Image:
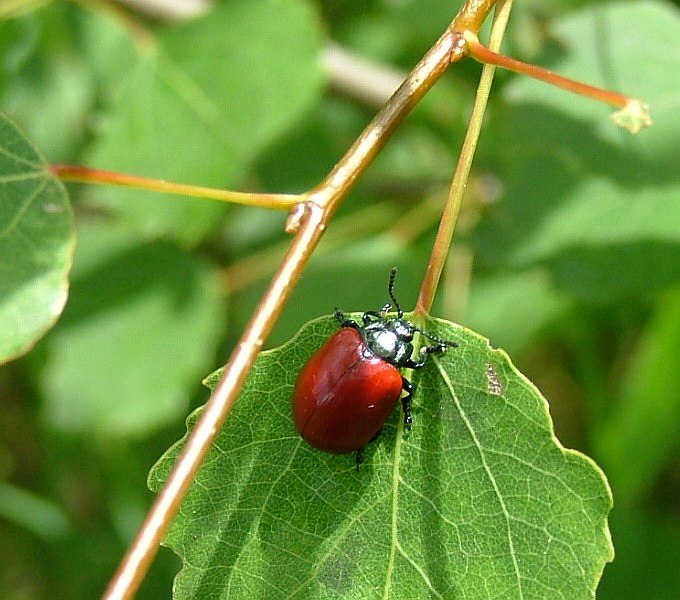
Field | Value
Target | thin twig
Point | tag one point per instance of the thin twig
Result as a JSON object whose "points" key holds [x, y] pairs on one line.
{"points": [[80, 174], [449, 219]]}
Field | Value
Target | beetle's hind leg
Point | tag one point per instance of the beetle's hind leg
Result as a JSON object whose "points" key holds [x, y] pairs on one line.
{"points": [[408, 387], [359, 457]]}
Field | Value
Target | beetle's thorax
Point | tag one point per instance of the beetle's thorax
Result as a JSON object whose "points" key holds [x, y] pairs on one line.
{"points": [[389, 339]]}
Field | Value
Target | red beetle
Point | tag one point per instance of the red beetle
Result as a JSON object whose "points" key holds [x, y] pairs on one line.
{"points": [[347, 390]]}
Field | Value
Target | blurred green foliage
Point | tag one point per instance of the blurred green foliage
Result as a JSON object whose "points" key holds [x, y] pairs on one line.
{"points": [[567, 255]]}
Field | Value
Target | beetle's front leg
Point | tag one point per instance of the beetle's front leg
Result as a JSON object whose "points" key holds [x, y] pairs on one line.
{"points": [[425, 351], [344, 321]]}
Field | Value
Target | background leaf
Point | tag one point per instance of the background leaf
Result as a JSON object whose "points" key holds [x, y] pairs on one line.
{"points": [[141, 325], [480, 486], [598, 206], [649, 410], [44, 80], [36, 244], [200, 102]]}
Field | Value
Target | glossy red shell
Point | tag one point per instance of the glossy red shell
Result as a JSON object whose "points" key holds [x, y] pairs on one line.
{"points": [[344, 394]]}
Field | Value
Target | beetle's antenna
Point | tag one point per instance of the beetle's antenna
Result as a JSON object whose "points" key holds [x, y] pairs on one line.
{"points": [[390, 291]]}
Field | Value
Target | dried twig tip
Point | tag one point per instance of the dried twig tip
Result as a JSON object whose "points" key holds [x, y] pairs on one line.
{"points": [[634, 116]]}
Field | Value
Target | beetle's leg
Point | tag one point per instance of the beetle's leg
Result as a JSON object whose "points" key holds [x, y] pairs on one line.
{"points": [[378, 315], [370, 316], [344, 321], [407, 386], [425, 351], [359, 458], [412, 364]]}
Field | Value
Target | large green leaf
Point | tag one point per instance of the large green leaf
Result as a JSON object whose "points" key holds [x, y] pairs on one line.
{"points": [[479, 500], [202, 100], [36, 244]]}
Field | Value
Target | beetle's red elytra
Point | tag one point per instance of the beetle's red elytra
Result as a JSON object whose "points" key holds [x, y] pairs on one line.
{"points": [[349, 387]]}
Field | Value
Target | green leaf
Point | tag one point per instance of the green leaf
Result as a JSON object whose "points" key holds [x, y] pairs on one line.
{"points": [[595, 204], [479, 500], [40, 516], [142, 322], [36, 244], [44, 80], [515, 306], [202, 101]]}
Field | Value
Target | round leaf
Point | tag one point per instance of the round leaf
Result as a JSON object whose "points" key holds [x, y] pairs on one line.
{"points": [[37, 238], [478, 500]]}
